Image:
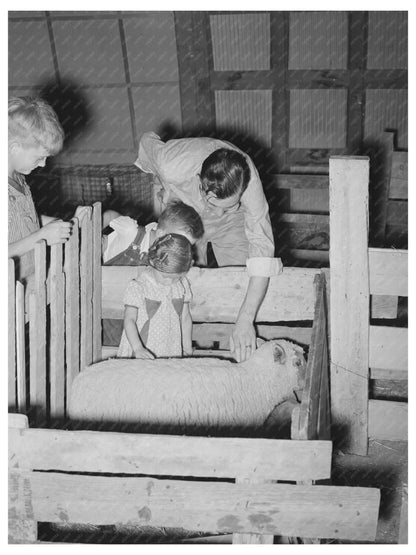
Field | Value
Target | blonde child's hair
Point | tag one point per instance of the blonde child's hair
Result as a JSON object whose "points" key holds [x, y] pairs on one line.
{"points": [[34, 122]]}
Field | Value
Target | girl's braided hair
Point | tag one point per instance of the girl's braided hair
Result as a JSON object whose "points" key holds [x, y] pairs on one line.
{"points": [[171, 254]]}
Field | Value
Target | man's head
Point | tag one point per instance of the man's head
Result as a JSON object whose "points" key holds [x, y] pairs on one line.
{"points": [[224, 176], [180, 218], [34, 133]]}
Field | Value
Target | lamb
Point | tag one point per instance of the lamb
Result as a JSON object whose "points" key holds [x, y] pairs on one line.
{"points": [[191, 392]]}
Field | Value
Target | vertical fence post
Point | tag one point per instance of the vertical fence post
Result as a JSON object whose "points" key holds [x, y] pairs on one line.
{"points": [[11, 337], [37, 333], [20, 348], [349, 300], [57, 335], [72, 294], [96, 283], [86, 277]]}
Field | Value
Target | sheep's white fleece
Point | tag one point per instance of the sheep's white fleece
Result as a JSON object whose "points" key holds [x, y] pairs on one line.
{"points": [[189, 391]]}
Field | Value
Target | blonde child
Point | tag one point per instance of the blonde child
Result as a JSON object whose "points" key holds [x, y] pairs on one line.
{"points": [[157, 318], [34, 134]]}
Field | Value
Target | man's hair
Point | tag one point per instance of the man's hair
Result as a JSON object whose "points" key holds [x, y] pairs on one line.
{"points": [[183, 217], [225, 172], [34, 122], [171, 254]]}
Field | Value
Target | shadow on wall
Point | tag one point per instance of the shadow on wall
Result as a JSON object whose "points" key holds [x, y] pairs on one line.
{"points": [[71, 105], [74, 112]]}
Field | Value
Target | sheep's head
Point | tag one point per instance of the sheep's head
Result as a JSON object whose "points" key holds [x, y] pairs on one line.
{"points": [[289, 359]]}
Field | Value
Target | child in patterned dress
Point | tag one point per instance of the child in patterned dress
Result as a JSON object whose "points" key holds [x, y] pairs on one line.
{"points": [[157, 318]]}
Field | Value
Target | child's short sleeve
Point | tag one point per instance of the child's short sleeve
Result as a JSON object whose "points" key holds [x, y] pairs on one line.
{"points": [[187, 288], [134, 294]]}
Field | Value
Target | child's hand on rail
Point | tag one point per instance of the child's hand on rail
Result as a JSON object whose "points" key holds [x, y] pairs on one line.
{"points": [[56, 231]]}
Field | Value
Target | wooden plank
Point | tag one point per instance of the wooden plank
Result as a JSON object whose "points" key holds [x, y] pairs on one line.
{"points": [[72, 297], [397, 213], [387, 420], [57, 335], [17, 420], [398, 189], [384, 306], [349, 299], [278, 509], [403, 527], [388, 374], [20, 348], [11, 336], [314, 410], [38, 357], [309, 254], [22, 531], [388, 271], [205, 335], [241, 538], [381, 164], [96, 281], [309, 219], [219, 293], [399, 166], [297, 181], [86, 290], [86, 451], [388, 347]]}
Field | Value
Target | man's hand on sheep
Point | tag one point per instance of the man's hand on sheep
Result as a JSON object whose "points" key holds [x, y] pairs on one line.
{"points": [[243, 339]]}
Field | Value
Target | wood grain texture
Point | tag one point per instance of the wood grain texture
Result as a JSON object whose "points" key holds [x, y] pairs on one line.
{"points": [[57, 335], [20, 348], [387, 420], [218, 293], [388, 271], [349, 298], [388, 347], [86, 277], [72, 298], [11, 304], [96, 281], [86, 451], [278, 509]]}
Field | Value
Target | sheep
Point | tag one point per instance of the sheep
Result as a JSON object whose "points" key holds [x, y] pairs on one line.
{"points": [[187, 393]]}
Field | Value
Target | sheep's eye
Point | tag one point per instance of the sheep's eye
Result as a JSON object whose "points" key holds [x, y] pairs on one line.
{"points": [[298, 362]]}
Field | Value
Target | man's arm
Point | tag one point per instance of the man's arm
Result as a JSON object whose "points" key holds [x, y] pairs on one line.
{"points": [[243, 337]]}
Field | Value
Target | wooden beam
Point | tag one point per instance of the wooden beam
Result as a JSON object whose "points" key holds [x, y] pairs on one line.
{"points": [[388, 374], [399, 176], [349, 299], [277, 509], [381, 164], [17, 420], [96, 281], [388, 347], [384, 306], [20, 348], [38, 358], [11, 336], [57, 335], [403, 527], [86, 290], [86, 451], [219, 293], [388, 272], [387, 420], [72, 298], [206, 335], [297, 181]]}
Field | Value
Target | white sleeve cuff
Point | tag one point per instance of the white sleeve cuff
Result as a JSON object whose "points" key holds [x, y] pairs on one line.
{"points": [[263, 266]]}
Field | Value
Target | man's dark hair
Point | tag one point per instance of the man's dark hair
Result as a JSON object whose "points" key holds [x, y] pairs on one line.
{"points": [[225, 172], [184, 217]]}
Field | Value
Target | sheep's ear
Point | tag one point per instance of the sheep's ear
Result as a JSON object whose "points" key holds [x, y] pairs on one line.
{"points": [[279, 354], [259, 342]]}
